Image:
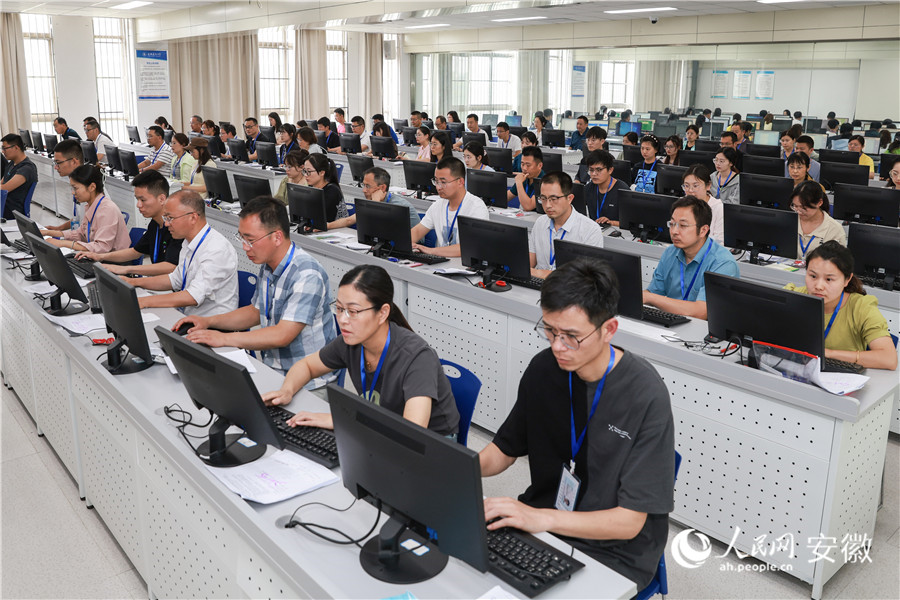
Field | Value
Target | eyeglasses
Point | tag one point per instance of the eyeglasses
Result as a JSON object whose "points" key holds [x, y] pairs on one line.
{"points": [[170, 218], [552, 199], [5, 148], [689, 187], [441, 183], [307, 172], [568, 340], [351, 313], [670, 146], [798, 207], [245, 241], [59, 162], [678, 225], [894, 173], [596, 170], [367, 186], [720, 161]]}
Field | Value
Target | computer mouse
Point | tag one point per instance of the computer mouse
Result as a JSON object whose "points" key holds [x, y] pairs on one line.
{"points": [[615, 233], [184, 328]]}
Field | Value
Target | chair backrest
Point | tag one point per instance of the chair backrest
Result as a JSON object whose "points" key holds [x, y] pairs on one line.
{"points": [[125, 216], [465, 386], [340, 169], [246, 287], [28, 196], [135, 234], [660, 582]]}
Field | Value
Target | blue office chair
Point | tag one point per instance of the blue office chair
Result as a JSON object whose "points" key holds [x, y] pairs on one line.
{"points": [[27, 210], [340, 169], [430, 239], [465, 388], [246, 287], [135, 234], [3, 203], [125, 216], [659, 584], [342, 374]]}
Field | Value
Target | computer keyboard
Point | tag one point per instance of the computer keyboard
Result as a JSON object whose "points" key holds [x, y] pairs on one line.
{"points": [[21, 246], [93, 296], [526, 563], [833, 365], [82, 268], [532, 283], [314, 443], [876, 282], [661, 317], [427, 259]]}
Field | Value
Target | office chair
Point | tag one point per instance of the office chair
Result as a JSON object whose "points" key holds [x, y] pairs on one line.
{"points": [[125, 216], [135, 234], [340, 169], [660, 583], [465, 388], [342, 374], [246, 287], [27, 210]]}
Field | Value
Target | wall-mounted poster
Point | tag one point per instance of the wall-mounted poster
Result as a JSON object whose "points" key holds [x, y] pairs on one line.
{"points": [[152, 74], [765, 85], [741, 88], [719, 84]]}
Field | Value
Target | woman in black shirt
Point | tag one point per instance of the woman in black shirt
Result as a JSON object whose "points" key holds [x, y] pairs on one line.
{"points": [[321, 173]]}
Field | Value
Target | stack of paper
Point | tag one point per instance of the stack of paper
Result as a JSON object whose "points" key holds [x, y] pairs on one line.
{"points": [[84, 322], [274, 478]]}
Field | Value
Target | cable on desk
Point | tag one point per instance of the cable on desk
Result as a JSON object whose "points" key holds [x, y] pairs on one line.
{"points": [[309, 527], [185, 421]]}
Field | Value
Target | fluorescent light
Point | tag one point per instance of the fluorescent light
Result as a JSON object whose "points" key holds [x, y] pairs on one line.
{"points": [[429, 26], [517, 19], [130, 5], [639, 10]]}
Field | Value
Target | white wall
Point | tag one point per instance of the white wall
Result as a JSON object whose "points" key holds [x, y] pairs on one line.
{"points": [[76, 74], [879, 90], [148, 110]]}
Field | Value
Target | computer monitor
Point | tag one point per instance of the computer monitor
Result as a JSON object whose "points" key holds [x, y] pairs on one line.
{"points": [[168, 134], [713, 129], [238, 149], [832, 173], [626, 266], [50, 141], [38, 140], [490, 186], [249, 188], [763, 165], [736, 308], [418, 175], [122, 314], [89, 150], [225, 389], [686, 159], [490, 119], [865, 204], [469, 137], [111, 155], [647, 125], [399, 124], [668, 179], [383, 226], [212, 144], [552, 162], [513, 120], [217, 187], [760, 230], [553, 138], [876, 253], [752, 149], [266, 134], [663, 132], [26, 138], [839, 156], [487, 130], [26, 226], [632, 154], [517, 130], [622, 171], [578, 202], [429, 123], [129, 163], [358, 166], [383, 147], [623, 127], [57, 271], [457, 128], [707, 145], [766, 191], [646, 216], [813, 125], [321, 138], [266, 155], [501, 159], [782, 123], [306, 206], [408, 136], [494, 249], [350, 143], [767, 137], [884, 170], [134, 134], [430, 485]]}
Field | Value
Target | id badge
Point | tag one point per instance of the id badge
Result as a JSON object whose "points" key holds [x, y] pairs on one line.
{"points": [[568, 490]]}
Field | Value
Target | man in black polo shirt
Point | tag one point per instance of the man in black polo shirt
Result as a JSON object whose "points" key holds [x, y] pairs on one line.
{"points": [[20, 175], [332, 141], [596, 424]]}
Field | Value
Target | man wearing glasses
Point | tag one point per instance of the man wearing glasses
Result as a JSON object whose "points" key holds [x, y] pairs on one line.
{"points": [[601, 192], [375, 185], [251, 129], [677, 286], [161, 154], [596, 424], [20, 175], [450, 181], [67, 157], [357, 126], [100, 139], [560, 222], [290, 303], [205, 280]]}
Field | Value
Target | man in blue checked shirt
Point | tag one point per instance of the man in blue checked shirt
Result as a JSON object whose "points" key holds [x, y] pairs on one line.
{"points": [[291, 301]]}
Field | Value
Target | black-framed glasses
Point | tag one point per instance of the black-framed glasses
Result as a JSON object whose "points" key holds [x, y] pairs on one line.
{"points": [[568, 340]]}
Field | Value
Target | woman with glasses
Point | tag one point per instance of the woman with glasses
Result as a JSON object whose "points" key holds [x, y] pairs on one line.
{"points": [[321, 173], [293, 168], [287, 137], [182, 164], [798, 168], [690, 137], [199, 149], [894, 177], [440, 146], [672, 149], [727, 179], [387, 362], [423, 140], [307, 140], [696, 182], [815, 225], [601, 192], [475, 157]]}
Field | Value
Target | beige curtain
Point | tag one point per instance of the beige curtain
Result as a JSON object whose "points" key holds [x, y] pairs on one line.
{"points": [[372, 76], [215, 77], [656, 84], [534, 67], [311, 92], [15, 111]]}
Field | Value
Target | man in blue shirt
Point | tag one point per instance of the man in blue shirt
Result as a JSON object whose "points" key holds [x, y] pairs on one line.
{"points": [[678, 286], [63, 129], [578, 135], [380, 117], [524, 191]]}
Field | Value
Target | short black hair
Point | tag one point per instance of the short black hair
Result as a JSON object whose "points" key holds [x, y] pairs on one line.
{"points": [[582, 118], [501, 125], [324, 122], [632, 137], [596, 132], [272, 214], [378, 117], [339, 111], [832, 123], [805, 139], [61, 121], [153, 181], [810, 193], [534, 152], [584, 283], [599, 157], [787, 133], [252, 120], [415, 113], [382, 177], [746, 127], [70, 149], [472, 116], [457, 167], [14, 139], [846, 128], [529, 135], [799, 157], [729, 134], [156, 129], [797, 114], [358, 120], [700, 208], [563, 179]]}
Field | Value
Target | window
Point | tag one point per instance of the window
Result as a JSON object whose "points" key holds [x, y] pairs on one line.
{"points": [[38, 42], [617, 83], [276, 73], [484, 82], [115, 73], [336, 49], [559, 81]]}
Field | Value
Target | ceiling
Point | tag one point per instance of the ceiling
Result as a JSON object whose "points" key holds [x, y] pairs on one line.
{"points": [[99, 8]]}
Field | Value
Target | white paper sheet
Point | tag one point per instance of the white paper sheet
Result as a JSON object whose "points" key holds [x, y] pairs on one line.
{"points": [[652, 332], [274, 478], [88, 321], [238, 356], [840, 384], [498, 593], [17, 255]]}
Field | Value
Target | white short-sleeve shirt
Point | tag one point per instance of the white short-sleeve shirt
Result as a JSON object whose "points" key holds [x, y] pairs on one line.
{"points": [[436, 217]]}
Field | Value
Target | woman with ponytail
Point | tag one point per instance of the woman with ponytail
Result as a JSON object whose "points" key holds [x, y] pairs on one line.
{"points": [[321, 173], [387, 362], [855, 331]]}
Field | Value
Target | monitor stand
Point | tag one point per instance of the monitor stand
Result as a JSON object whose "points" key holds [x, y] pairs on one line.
{"points": [[488, 282], [385, 559], [756, 260], [35, 272], [116, 364], [73, 308], [224, 450]]}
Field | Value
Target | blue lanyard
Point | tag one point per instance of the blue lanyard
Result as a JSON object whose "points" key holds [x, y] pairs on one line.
{"points": [[155, 156], [684, 294], [252, 144], [803, 248], [834, 314], [719, 182], [576, 443], [562, 237], [93, 216], [601, 204], [175, 166], [367, 392], [185, 268], [156, 246], [646, 173], [453, 223], [268, 283]]}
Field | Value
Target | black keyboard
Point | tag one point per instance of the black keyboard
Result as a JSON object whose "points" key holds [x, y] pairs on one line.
{"points": [[833, 365], [661, 317], [526, 563], [532, 283], [81, 268], [428, 259], [873, 282], [314, 443], [21, 246], [93, 296]]}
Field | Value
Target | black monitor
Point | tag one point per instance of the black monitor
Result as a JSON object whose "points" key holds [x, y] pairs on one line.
{"points": [[383, 226], [494, 249], [168, 134], [663, 131], [38, 140], [876, 253], [487, 130], [122, 314], [468, 137], [712, 129], [668, 179], [702, 157], [399, 124], [58, 272], [457, 128], [632, 154], [761, 150], [408, 136], [553, 138], [646, 216], [129, 163], [626, 266], [707, 145], [517, 130], [249, 188], [832, 173], [50, 141], [552, 162], [383, 147], [622, 171], [26, 226], [266, 134], [238, 149], [761, 230], [748, 311], [217, 186], [490, 186], [350, 143], [306, 206], [225, 389], [429, 123], [813, 125], [418, 175], [763, 165], [212, 144], [430, 485], [134, 134], [884, 170], [111, 154], [26, 138], [500, 158], [89, 150], [865, 204], [266, 155], [839, 156], [358, 166], [321, 138], [578, 202], [766, 191], [781, 123]]}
